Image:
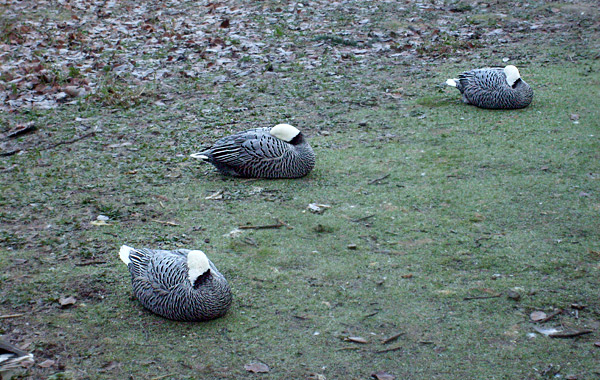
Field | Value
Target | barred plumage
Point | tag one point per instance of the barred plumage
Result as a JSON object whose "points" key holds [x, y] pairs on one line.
{"points": [[12, 359], [278, 152], [495, 88], [182, 285]]}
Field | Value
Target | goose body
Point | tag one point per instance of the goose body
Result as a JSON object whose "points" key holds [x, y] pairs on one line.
{"points": [[494, 88], [277, 152], [181, 285], [11, 359]]}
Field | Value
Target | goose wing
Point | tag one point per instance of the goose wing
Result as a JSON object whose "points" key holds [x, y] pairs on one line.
{"points": [[248, 147], [488, 79]]}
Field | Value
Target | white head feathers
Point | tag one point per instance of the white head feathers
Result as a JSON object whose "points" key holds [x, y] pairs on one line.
{"points": [[124, 254], [197, 264], [512, 74], [284, 132]]}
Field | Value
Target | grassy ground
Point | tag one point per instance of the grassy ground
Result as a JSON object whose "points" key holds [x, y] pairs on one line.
{"points": [[432, 202]]}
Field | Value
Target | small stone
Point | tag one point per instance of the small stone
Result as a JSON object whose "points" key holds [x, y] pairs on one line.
{"points": [[352, 246]]}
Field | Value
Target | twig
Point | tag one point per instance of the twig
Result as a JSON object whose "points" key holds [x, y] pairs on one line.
{"points": [[370, 315], [393, 338], [166, 222], [21, 131], [363, 218], [301, 317], [9, 153], [94, 262], [389, 350], [482, 297], [6, 316], [378, 179], [278, 225], [569, 334], [69, 141]]}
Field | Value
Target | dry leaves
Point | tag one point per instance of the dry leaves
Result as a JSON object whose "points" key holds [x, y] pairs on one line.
{"points": [[383, 376], [67, 301], [317, 208], [215, 196], [356, 339], [99, 223], [537, 316], [47, 363]]}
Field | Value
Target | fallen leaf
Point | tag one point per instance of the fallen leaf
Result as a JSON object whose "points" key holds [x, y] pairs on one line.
{"points": [[166, 222], [47, 363], [383, 376], [409, 275], [99, 223], [574, 116], [356, 339], [67, 301], [316, 376], [545, 330], [109, 366], [317, 208], [393, 338], [537, 316], [215, 196], [234, 233], [73, 91], [257, 367], [120, 145], [351, 246], [21, 130]]}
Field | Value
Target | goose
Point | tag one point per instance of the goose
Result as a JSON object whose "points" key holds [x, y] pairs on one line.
{"points": [[277, 152], [11, 359], [495, 88], [182, 285]]}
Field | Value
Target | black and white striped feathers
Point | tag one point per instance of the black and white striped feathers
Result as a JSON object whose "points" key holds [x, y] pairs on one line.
{"points": [[182, 285], [12, 359], [278, 152], [495, 88]]}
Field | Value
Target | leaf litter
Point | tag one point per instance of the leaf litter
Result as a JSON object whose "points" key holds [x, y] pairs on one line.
{"points": [[257, 367], [83, 48]]}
